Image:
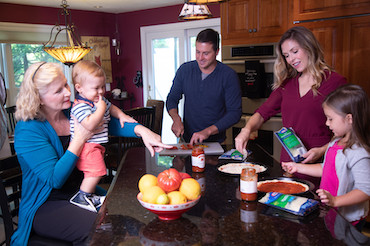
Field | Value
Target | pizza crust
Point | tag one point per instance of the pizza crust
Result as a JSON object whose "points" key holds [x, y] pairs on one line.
{"points": [[236, 168], [306, 187]]}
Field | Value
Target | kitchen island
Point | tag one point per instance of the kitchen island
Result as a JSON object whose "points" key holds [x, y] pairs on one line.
{"points": [[220, 217]]}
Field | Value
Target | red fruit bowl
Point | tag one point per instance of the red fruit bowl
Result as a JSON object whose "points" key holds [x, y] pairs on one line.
{"points": [[168, 211]]}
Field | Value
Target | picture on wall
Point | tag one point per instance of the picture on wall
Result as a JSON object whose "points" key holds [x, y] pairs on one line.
{"points": [[100, 53]]}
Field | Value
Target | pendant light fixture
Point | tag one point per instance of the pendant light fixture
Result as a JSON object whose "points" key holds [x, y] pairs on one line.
{"points": [[194, 12], [206, 2], [75, 50]]}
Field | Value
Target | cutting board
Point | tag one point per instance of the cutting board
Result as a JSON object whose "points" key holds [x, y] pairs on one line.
{"points": [[212, 149]]}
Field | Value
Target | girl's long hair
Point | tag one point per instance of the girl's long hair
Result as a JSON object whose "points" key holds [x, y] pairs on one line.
{"points": [[316, 63], [352, 99]]}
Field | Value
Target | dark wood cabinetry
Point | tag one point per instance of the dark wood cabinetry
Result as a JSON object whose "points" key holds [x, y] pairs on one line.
{"points": [[313, 9], [253, 21], [346, 47]]}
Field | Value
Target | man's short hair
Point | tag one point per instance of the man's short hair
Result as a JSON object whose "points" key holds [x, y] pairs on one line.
{"points": [[209, 36]]}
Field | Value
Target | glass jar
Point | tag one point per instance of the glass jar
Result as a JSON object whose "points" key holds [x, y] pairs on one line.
{"points": [[248, 215], [198, 160], [248, 184]]}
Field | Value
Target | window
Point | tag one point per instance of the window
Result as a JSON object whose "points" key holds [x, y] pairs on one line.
{"points": [[23, 55], [21, 46]]}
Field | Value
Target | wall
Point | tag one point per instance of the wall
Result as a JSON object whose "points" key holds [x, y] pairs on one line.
{"points": [[92, 23]]}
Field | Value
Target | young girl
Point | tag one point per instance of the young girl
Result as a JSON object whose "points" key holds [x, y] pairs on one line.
{"points": [[345, 173]]}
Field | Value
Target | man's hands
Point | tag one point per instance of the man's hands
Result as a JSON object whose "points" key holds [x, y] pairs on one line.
{"points": [[199, 137], [177, 127]]}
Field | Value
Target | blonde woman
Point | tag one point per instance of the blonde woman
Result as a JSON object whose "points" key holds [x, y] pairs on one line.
{"points": [[302, 81], [48, 157]]}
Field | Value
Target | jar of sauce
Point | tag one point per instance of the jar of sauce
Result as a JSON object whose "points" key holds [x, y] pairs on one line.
{"points": [[248, 184], [198, 161]]}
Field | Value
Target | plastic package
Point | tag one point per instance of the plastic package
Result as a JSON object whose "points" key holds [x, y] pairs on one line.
{"points": [[297, 205], [292, 144], [233, 154]]}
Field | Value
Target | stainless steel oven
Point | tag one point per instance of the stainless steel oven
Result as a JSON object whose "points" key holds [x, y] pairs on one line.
{"points": [[254, 65]]}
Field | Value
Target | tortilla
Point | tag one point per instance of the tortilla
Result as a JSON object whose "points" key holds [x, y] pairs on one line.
{"points": [[236, 168]]}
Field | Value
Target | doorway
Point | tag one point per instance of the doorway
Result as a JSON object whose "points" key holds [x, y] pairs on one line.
{"points": [[164, 49]]}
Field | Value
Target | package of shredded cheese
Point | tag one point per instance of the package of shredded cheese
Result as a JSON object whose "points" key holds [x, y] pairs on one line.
{"points": [[292, 144], [233, 154], [293, 204]]}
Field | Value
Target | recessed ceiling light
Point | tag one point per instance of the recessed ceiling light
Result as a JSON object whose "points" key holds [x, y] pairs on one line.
{"points": [[98, 7]]}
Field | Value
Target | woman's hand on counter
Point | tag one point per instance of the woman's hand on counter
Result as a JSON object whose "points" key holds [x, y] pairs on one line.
{"points": [[152, 140]]}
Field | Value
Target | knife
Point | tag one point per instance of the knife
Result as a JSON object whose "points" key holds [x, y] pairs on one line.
{"points": [[182, 140]]}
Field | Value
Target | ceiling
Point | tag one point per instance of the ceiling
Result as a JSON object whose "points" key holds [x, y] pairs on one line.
{"points": [[109, 6]]}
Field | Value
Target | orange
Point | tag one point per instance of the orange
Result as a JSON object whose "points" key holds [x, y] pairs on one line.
{"points": [[190, 188], [176, 197], [151, 194], [163, 199], [147, 181]]}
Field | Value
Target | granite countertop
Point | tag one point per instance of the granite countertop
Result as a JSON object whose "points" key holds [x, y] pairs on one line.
{"points": [[220, 217]]}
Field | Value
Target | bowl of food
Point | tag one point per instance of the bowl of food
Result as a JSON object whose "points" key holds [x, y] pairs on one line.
{"points": [[168, 211]]}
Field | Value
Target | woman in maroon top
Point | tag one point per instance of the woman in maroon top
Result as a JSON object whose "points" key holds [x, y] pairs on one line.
{"points": [[302, 81]]}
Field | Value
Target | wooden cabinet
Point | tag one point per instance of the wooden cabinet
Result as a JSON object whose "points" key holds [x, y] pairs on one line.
{"points": [[253, 21], [356, 51], [314, 9], [330, 35], [346, 47]]}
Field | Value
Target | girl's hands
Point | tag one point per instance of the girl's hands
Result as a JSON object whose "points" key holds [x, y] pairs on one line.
{"points": [[290, 167], [326, 197]]}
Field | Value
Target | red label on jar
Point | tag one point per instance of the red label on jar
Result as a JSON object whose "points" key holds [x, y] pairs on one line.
{"points": [[198, 160]]}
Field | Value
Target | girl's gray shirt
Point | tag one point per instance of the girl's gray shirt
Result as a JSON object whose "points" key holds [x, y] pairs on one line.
{"points": [[352, 166]]}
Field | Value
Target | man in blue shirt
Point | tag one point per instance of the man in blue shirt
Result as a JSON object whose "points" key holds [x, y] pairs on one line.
{"points": [[212, 94]]}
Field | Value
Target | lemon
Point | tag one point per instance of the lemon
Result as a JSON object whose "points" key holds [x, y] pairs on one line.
{"points": [[151, 194], [163, 199], [176, 197], [190, 188], [147, 181]]}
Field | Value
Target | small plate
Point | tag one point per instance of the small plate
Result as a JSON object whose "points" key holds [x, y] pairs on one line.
{"points": [[236, 168], [310, 185]]}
